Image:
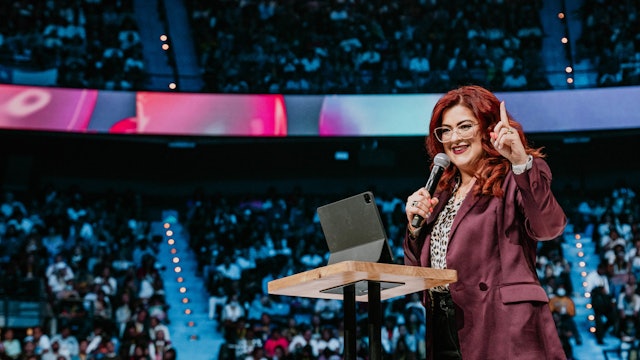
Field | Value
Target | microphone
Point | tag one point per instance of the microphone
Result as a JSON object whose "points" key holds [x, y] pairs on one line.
{"points": [[440, 162]]}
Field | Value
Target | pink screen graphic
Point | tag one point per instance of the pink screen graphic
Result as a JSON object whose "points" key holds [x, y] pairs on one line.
{"points": [[42, 108], [207, 114]]}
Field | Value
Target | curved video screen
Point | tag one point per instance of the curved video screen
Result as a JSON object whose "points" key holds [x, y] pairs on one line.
{"points": [[277, 115]]}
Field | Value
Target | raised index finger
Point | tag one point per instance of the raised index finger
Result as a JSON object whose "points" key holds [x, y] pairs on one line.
{"points": [[503, 114]]}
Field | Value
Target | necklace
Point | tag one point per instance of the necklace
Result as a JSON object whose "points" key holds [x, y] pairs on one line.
{"points": [[463, 190]]}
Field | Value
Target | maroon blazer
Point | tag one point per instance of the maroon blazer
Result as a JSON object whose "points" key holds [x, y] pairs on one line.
{"points": [[501, 309]]}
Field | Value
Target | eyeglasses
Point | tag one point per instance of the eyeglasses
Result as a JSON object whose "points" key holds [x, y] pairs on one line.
{"points": [[464, 131]]}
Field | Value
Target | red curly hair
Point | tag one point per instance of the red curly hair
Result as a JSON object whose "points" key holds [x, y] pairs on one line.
{"points": [[493, 167]]}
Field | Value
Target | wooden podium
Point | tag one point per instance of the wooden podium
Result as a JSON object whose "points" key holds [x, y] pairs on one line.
{"points": [[362, 281]]}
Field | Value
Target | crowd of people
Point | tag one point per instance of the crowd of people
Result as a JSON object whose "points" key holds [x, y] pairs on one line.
{"points": [[613, 285], [90, 264], [92, 44], [316, 47], [367, 46], [610, 40], [94, 261]]}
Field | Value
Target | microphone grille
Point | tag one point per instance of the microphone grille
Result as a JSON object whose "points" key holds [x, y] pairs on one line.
{"points": [[441, 159]]}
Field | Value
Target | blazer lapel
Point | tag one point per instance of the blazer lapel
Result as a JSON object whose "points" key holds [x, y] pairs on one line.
{"points": [[467, 204]]}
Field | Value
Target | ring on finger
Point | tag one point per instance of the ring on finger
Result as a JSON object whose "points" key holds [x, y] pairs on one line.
{"points": [[414, 203], [510, 131]]}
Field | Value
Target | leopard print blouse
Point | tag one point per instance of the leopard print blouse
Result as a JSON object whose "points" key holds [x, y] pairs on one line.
{"points": [[440, 235]]}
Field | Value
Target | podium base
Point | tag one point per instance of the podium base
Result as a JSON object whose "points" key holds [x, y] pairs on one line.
{"points": [[374, 282]]}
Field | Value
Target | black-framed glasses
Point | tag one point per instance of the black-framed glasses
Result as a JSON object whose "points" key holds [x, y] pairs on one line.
{"points": [[466, 130]]}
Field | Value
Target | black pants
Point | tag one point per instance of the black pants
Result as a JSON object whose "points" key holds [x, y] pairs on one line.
{"points": [[605, 313], [605, 318], [566, 321], [446, 345]]}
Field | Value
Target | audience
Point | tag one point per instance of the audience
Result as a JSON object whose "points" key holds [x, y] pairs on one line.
{"points": [[91, 300], [92, 44], [94, 258], [339, 46], [363, 47], [116, 283], [609, 40]]}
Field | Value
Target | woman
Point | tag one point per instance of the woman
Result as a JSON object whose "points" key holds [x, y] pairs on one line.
{"points": [[492, 205]]}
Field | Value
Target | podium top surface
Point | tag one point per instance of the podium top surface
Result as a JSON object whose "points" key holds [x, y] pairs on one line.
{"points": [[405, 279]]}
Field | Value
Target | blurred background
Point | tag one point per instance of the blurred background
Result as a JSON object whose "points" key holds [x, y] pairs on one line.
{"points": [[135, 130]]}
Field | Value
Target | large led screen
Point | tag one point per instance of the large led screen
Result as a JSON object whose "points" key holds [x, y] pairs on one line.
{"points": [[273, 115]]}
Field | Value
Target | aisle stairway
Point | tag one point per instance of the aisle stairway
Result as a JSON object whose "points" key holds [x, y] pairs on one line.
{"points": [[187, 64], [579, 250], [150, 26], [554, 54], [193, 334], [179, 63]]}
